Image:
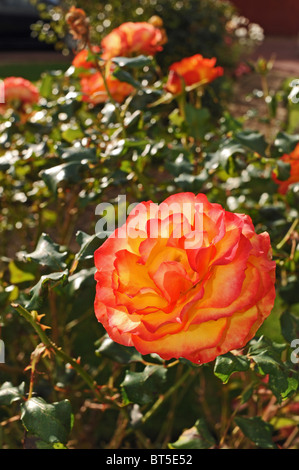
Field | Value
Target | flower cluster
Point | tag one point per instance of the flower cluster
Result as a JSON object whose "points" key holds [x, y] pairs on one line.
{"points": [[127, 40]]}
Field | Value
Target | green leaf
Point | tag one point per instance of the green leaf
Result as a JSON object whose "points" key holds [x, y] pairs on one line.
{"points": [[266, 356], [78, 154], [132, 62], [197, 437], [289, 326], [72, 133], [46, 86], [39, 290], [144, 387], [47, 253], [225, 153], [83, 278], [179, 166], [117, 352], [50, 422], [286, 143], [124, 76], [192, 183], [257, 430], [253, 140], [65, 172], [227, 364], [10, 394], [18, 275], [247, 394], [282, 170], [88, 245], [198, 121], [75, 159], [293, 383]]}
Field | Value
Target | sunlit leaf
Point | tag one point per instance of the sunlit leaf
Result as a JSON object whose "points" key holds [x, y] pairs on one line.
{"points": [[47, 253], [197, 437], [144, 387]]}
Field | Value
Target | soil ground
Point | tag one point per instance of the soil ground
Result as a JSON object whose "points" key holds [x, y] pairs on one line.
{"points": [[285, 55]]}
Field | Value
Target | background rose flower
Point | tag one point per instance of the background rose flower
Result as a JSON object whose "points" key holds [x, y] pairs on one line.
{"points": [[132, 39], [190, 71], [164, 296], [78, 24], [18, 90], [94, 90], [293, 160], [81, 59]]}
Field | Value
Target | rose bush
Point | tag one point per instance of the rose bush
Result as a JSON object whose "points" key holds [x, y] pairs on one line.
{"points": [[160, 294], [188, 276]]}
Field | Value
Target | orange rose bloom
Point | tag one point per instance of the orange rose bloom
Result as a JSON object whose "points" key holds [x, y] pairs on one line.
{"points": [[81, 59], [132, 39], [18, 90], [94, 91], [190, 71], [184, 279], [293, 160]]}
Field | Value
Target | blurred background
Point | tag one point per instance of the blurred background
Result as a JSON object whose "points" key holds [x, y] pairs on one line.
{"points": [[22, 53], [34, 37], [33, 31]]}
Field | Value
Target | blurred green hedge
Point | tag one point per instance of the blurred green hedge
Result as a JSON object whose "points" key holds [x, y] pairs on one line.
{"points": [[212, 28]]}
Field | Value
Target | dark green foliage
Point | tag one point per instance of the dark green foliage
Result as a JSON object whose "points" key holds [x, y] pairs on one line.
{"points": [[55, 169]]}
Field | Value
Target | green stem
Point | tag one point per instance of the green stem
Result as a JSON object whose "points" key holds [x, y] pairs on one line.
{"points": [[115, 104], [288, 234], [31, 317], [164, 397]]}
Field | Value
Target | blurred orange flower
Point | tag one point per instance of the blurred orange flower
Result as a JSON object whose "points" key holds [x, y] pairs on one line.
{"points": [[132, 39], [81, 59], [94, 90], [184, 279], [293, 160], [18, 92], [191, 70], [78, 24]]}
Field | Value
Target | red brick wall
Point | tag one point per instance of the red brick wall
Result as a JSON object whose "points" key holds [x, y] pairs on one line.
{"points": [[277, 17]]}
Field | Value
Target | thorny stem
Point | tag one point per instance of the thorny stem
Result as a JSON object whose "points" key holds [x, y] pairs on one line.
{"points": [[31, 318], [231, 418], [164, 397], [31, 382], [288, 234], [115, 104]]}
